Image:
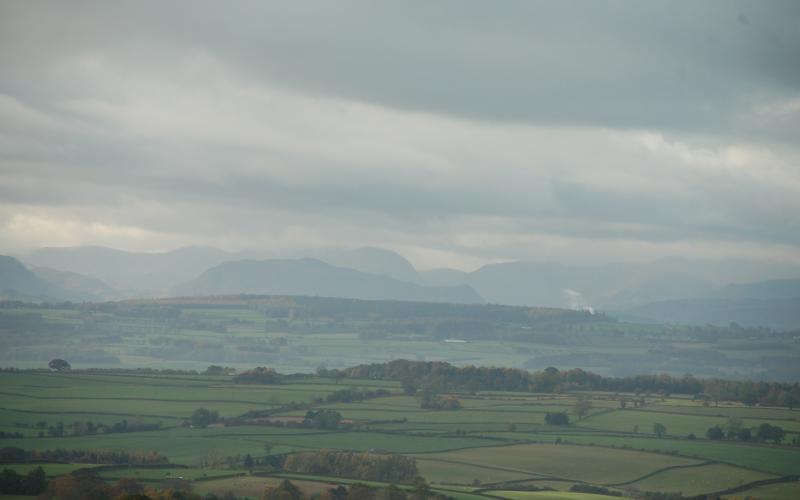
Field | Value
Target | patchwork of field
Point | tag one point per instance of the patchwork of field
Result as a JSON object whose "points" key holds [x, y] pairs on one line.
{"points": [[578, 463], [703, 479], [783, 491], [496, 442], [543, 495], [242, 332]]}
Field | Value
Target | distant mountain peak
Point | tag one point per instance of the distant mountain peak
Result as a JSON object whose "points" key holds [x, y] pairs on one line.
{"points": [[313, 277]]}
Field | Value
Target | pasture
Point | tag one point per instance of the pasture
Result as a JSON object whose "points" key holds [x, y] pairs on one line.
{"points": [[496, 439]]}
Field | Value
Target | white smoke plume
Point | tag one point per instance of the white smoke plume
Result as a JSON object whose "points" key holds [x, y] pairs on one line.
{"points": [[576, 301]]}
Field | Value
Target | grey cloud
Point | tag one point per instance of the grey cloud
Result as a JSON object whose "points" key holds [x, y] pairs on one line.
{"points": [[480, 130], [682, 66]]}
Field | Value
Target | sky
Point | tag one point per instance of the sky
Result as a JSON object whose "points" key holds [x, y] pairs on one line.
{"points": [[456, 133]]}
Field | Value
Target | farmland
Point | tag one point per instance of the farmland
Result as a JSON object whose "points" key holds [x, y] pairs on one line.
{"points": [[496, 443], [142, 370], [299, 334]]}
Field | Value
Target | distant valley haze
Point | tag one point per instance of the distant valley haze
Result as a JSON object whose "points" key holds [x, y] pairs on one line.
{"points": [[670, 290]]}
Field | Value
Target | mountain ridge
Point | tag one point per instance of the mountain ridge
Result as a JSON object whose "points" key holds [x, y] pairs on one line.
{"points": [[313, 277]]}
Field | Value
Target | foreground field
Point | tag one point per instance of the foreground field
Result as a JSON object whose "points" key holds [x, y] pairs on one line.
{"points": [[543, 495], [496, 441]]}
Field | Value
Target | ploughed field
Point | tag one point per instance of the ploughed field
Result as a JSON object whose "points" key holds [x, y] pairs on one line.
{"points": [[496, 444]]}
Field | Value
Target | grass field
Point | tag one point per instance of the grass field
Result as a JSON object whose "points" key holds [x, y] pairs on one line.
{"points": [[783, 491], [455, 450], [677, 424], [694, 481], [590, 464], [545, 495], [447, 472]]}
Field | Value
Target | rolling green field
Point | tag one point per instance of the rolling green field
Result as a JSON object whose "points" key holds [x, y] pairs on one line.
{"points": [[299, 334], [704, 479], [545, 495], [785, 491], [463, 452], [579, 463]]}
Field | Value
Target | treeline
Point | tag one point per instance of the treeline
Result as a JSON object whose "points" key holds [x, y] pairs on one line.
{"points": [[735, 430], [444, 377], [429, 400], [266, 376], [391, 468], [87, 427], [87, 485], [260, 375], [33, 483], [352, 395], [18, 455], [286, 490]]}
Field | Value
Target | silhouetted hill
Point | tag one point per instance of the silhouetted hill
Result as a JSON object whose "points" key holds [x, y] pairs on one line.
{"points": [[611, 286], [779, 314], [373, 260], [771, 289], [136, 270], [316, 278], [78, 286], [17, 280]]}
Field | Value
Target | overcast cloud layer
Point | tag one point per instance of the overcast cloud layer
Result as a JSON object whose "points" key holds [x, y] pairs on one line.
{"points": [[457, 133]]}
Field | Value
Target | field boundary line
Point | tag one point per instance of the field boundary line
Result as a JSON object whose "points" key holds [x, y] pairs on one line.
{"points": [[754, 484], [117, 398], [687, 414], [532, 475], [665, 469], [45, 412]]}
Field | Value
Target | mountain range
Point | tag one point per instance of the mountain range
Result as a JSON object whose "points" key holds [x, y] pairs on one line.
{"points": [[314, 277], [665, 290]]}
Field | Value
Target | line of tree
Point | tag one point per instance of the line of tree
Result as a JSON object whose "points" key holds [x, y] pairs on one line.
{"points": [[444, 377], [33, 483], [595, 490], [556, 418], [352, 395], [393, 468], [88, 485], [764, 432], [87, 427], [286, 490], [13, 454], [203, 417], [260, 375], [263, 375], [430, 400], [322, 419]]}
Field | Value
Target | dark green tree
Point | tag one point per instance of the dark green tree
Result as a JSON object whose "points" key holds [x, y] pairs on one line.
{"points": [[59, 365], [715, 433], [203, 417]]}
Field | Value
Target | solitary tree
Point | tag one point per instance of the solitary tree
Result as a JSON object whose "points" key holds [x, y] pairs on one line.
{"points": [[58, 365], [557, 418], [284, 491], [744, 434], [769, 432], [582, 407], [659, 430], [202, 417], [733, 426], [715, 433]]}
